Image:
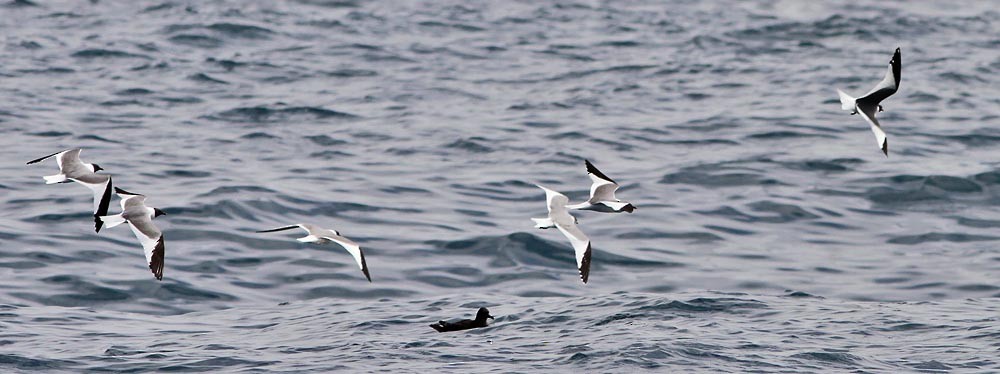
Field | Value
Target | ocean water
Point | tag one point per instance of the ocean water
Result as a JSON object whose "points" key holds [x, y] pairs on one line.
{"points": [[771, 233]]}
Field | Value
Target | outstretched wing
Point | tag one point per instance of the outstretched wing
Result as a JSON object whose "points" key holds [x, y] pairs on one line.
{"points": [[888, 85], [868, 113], [283, 228], [354, 249], [152, 243], [100, 185], [603, 187], [40, 159], [581, 243]]}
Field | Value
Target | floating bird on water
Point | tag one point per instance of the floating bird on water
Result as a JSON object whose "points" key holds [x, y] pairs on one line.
{"points": [[72, 169], [560, 218], [320, 235], [602, 194], [481, 321], [140, 220], [868, 105]]}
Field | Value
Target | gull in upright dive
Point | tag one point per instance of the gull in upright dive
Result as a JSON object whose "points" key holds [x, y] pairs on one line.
{"points": [[320, 235], [560, 218], [140, 220], [868, 104], [72, 169], [602, 194]]}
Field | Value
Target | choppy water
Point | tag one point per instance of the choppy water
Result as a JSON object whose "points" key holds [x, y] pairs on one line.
{"points": [[772, 235]]}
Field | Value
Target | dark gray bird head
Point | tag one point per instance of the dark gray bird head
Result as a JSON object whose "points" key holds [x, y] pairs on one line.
{"points": [[483, 314]]}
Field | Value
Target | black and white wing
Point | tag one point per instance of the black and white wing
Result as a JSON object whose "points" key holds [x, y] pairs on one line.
{"points": [[152, 242], [581, 243], [283, 228], [603, 188], [58, 159], [100, 185], [868, 113], [885, 88], [354, 249]]}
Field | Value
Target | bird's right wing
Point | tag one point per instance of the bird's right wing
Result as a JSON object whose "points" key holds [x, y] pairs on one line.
{"points": [[581, 243], [355, 250], [152, 243]]}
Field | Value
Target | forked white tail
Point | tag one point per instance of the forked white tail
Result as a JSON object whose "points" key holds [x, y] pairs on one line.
{"points": [[53, 179], [543, 223], [112, 221], [846, 101]]}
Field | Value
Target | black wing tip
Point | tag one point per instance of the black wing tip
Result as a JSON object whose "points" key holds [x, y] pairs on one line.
{"points": [[593, 170], [156, 263], [885, 147], [40, 159], [364, 267], [278, 229], [585, 265], [102, 207], [123, 192]]}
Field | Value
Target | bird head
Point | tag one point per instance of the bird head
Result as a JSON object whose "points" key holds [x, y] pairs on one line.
{"points": [[96, 167], [157, 212], [483, 314]]}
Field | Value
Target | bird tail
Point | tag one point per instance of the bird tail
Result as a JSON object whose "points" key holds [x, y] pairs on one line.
{"points": [[846, 101], [543, 223], [112, 221], [53, 179], [309, 239]]}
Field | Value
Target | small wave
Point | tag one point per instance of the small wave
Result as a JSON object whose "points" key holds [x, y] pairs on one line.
{"points": [[263, 114], [95, 53]]}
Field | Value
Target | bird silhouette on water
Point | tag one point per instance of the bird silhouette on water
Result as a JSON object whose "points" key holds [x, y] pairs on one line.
{"points": [[465, 324]]}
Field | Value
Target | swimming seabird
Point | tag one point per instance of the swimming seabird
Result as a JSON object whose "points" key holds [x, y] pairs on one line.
{"points": [[602, 194], [72, 169], [560, 218], [140, 220], [320, 235], [868, 104], [481, 321]]}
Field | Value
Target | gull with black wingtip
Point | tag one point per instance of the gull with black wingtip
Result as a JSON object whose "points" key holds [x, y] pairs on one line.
{"points": [[869, 104], [140, 220], [560, 218], [482, 320], [72, 169], [602, 194], [320, 235]]}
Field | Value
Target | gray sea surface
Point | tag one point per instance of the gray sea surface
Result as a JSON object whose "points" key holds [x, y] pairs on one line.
{"points": [[771, 235]]}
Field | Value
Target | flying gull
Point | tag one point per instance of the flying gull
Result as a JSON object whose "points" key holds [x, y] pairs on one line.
{"points": [[140, 220], [602, 194], [320, 235], [482, 320], [868, 105], [560, 218], [72, 169]]}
